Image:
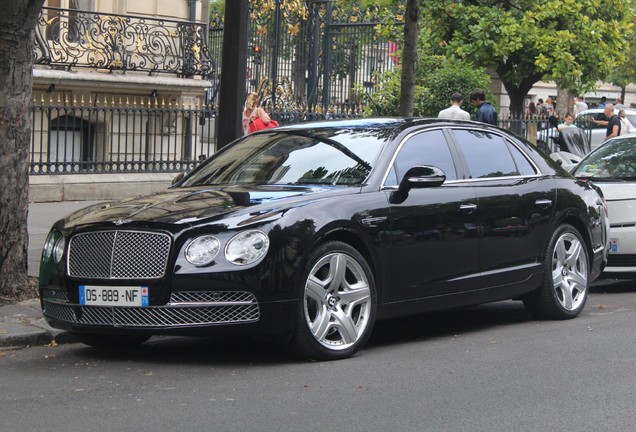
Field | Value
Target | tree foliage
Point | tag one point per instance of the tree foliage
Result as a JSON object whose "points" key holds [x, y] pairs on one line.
{"points": [[436, 78], [573, 42]]}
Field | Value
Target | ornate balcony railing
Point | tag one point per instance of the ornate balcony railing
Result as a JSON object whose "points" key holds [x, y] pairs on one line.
{"points": [[79, 39]]}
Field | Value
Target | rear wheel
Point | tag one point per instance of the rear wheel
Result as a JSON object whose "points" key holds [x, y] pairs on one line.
{"points": [[109, 341], [338, 304], [566, 280]]}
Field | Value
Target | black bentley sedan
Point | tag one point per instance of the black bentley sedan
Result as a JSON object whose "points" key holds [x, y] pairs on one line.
{"points": [[310, 233]]}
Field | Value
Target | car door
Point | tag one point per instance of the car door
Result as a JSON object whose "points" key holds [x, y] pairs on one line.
{"points": [[515, 204], [434, 232]]}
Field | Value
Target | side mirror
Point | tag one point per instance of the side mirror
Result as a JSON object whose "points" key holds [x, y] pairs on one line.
{"points": [[418, 177], [178, 178], [422, 177]]}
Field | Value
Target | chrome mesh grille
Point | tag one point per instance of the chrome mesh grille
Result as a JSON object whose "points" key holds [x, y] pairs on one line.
{"points": [[210, 296], [215, 308], [118, 255]]}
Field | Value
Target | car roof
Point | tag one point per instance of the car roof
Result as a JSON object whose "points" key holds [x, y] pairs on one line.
{"points": [[600, 110], [397, 124]]}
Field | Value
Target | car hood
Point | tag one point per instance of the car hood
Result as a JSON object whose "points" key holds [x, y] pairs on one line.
{"points": [[190, 205], [621, 201]]}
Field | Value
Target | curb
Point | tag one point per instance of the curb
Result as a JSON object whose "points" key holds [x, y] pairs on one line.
{"points": [[22, 325]]}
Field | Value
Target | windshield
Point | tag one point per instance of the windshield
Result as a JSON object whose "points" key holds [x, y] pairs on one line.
{"points": [[291, 159], [614, 160]]}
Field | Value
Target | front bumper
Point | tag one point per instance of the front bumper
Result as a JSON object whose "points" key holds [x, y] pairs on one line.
{"points": [[622, 254], [187, 313]]}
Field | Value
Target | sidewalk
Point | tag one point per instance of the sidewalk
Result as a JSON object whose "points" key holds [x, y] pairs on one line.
{"points": [[22, 324]]}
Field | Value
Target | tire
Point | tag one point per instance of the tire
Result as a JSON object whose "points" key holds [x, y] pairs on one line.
{"points": [[111, 342], [567, 277], [337, 306]]}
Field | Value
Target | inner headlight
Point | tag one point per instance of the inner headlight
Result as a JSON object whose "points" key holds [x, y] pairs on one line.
{"points": [[247, 247], [202, 250], [58, 249]]}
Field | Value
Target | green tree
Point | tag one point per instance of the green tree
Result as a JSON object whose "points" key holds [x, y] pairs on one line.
{"points": [[625, 74], [17, 29], [573, 42], [436, 78]]}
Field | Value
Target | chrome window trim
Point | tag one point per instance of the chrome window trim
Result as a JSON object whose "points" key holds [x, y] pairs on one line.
{"points": [[537, 174]]}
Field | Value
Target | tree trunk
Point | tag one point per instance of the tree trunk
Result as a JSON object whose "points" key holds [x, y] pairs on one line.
{"points": [[565, 102], [17, 27], [409, 58]]}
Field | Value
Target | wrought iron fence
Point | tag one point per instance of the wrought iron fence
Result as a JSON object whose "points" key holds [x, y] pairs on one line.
{"points": [[540, 131], [68, 38], [307, 62], [115, 136]]}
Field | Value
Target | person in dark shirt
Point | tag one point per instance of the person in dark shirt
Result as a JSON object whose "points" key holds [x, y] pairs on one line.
{"points": [[486, 113], [613, 123]]}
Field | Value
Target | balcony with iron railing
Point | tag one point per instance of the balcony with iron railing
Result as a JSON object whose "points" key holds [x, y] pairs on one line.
{"points": [[70, 39]]}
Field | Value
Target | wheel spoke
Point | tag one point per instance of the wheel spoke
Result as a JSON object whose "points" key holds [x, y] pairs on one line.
{"points": [[566, 291], [355, 295], [560, 252], [321, 324], [337, 270], [573, 254], [557, 278], [346, 326], [315, 289], [579, 280]]}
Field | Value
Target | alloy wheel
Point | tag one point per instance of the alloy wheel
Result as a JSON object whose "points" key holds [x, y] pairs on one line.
{"points": [[337, 301], [569, 271]]}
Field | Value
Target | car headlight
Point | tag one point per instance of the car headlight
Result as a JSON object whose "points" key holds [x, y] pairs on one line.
{"points": [[247, 247], [202, 250], [48, 245], [58, 249]]}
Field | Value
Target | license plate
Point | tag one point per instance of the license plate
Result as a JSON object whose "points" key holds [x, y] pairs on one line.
{"points": [[93, 295]]}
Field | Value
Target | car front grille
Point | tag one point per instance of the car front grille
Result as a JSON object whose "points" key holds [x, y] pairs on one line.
{"points": [[184, 309], [621, 260], [118, 254]]}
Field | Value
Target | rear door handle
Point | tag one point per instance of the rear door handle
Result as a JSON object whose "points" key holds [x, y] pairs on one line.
{"points": [[543, 203], [468, 208]]}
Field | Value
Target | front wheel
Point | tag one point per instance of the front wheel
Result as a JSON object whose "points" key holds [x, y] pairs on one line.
{"points": [[567, 277], [337, 306]]}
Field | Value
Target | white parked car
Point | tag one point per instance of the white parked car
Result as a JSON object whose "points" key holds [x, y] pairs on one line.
{"points": [[597, 132], [612, 167]]}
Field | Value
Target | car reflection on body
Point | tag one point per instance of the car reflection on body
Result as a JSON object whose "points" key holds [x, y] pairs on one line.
{"points": [[310, 233], [612, 167]]}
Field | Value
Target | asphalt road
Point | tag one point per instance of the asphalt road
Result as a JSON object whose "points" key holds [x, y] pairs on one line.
{"points": [[488, 368]]}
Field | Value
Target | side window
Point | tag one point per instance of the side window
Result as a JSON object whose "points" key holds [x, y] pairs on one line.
{"points": [[426, 148], [489, 155], [524, 167]]}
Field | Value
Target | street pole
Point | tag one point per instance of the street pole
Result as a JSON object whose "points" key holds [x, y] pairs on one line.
{"points": [[233, 72]]}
